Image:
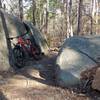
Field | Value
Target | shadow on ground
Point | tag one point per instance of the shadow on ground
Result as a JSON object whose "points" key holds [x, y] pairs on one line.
{"points": [[45, 67]]}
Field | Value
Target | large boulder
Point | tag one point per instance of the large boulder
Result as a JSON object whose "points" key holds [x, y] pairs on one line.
{"points": [[14, 28], [40, 38], [76, 55], [4, 60]]}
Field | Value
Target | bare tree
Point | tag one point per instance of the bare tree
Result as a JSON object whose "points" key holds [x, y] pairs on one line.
{"points": [[93, 8], [94, 15], [69, 22], [91, 18], [34, 9], [0, 4], [97, 14], [47, 17], [21, 9], [79, 22]]}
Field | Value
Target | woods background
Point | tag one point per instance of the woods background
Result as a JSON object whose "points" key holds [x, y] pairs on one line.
{"points": [[58, 19]]}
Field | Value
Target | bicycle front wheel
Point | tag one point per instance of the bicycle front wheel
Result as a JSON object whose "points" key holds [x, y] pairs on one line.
{"points": [[18, 56]]}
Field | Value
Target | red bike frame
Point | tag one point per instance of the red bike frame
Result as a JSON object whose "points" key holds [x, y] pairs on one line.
{"points": [[27, 46]]}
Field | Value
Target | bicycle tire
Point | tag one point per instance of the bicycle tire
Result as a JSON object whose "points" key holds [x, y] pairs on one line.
{"points": [[18, 56]]}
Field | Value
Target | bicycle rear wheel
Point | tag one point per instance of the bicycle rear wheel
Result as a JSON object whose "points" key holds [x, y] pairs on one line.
{"points": [[36, 53]]}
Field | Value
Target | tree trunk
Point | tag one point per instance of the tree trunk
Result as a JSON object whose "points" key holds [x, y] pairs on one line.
{"points": [[79, 23], [93, 8], [91, 18], [34, 9], [46, 17], [91, 25], [0, 4], [8, 42], [46, 28], [97, 14], [64, 12], [69, 22], [21, 9]]}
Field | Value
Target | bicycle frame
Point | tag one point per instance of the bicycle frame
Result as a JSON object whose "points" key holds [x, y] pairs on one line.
{"points": [[29, 49]]}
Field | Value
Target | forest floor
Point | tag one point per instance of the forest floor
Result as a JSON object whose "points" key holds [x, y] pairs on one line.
{"points": [[36, 81]]}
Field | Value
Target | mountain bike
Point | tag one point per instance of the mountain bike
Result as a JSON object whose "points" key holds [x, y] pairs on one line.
{"points": [[24, 49]]}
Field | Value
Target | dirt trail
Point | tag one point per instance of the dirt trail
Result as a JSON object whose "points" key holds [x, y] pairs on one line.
{"points": [[36, 82]]}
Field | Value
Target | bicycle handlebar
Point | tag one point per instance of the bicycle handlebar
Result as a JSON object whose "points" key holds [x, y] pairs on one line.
{"points": [[11, 38]]}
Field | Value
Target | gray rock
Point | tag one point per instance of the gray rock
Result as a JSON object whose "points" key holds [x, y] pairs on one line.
{"points": [[4, 61], [76, 55], [15, 28], [40, 38]]}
